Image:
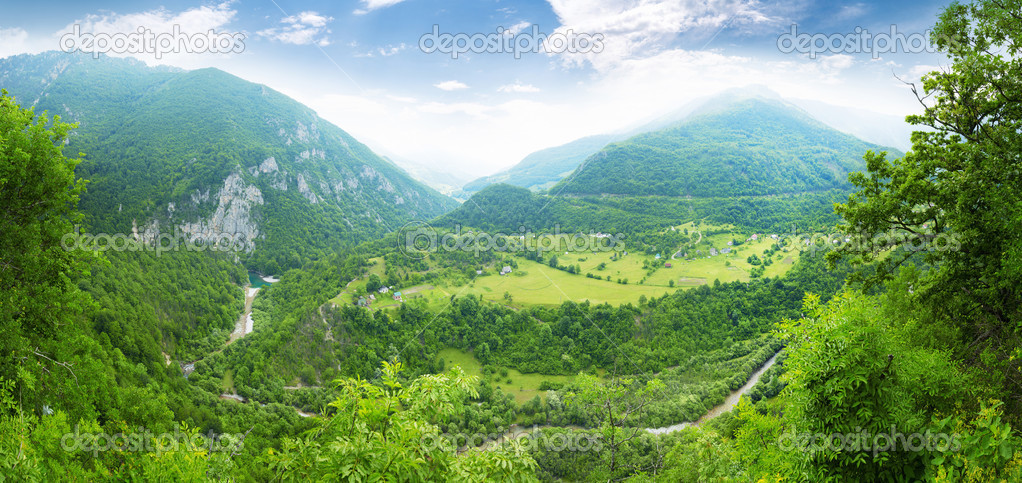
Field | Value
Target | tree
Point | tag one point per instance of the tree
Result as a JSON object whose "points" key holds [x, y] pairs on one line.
{"points": [[39, 298], [614, 405], [389, 432], [553, 261], [956, 197], [374, 283]]}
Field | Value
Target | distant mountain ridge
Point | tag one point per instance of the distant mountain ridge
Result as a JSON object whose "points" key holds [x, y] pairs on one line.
{"points": [[750, 147], [544, 168], [205, 151]]}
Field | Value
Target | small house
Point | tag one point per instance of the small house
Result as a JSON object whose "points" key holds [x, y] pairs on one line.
{"points": [[667, 265], [713, 252]]}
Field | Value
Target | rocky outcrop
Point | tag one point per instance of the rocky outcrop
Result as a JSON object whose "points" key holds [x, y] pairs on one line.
{"points": [[232, 219], [305, 191]]}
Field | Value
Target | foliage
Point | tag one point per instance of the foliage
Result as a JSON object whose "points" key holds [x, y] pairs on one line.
{"points": [[956, 195], [389, 432]]}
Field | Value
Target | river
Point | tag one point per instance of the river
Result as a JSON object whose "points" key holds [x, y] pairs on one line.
{"points": [[729, 402]]}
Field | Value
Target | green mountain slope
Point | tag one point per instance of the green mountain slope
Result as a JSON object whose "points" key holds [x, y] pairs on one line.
{"points": [[545, 167], [751, 147], [207, 152]]}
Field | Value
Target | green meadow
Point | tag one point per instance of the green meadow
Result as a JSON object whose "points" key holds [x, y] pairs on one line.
{"points": [[522, 386]]}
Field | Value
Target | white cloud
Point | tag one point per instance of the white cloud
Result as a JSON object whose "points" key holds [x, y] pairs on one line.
{"points": [[197, 21], [516, 28], [305, 28], [850, 12], [309, 18], [13, 41], [451, 85], [384, 51], [837, 62], [641, 28], [518, 87], [918, 71], [370, 5]]}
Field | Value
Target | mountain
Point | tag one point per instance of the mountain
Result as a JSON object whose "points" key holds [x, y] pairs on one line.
{"points": [[433, 176], [748, 147], [884, 129], [209, 153], [545, 167]]}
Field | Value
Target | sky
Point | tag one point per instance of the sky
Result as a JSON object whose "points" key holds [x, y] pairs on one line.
{"points": [[439, 83]]}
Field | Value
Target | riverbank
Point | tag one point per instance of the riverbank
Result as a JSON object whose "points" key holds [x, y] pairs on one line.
{"points": [[729, 402]]}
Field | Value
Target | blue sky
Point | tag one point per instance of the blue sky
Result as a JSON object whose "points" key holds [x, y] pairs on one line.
{"points": [[359, 64]]}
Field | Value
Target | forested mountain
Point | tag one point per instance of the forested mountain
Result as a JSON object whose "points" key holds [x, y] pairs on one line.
{"points": [[752, 147], [265, 168], [545, 167]]}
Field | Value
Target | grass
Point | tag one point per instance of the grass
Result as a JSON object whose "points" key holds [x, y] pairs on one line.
{"points": [[535, 283], [227, 383], [522, 386], [538, 284]]}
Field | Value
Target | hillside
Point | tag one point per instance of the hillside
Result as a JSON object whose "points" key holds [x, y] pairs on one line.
{"points": [[264, 168], [752, 147], [543, 168]]}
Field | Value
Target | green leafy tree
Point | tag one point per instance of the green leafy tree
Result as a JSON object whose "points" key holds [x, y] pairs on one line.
{"points": [[389, 432], [956, 197], [615, 405], [39, 192]]}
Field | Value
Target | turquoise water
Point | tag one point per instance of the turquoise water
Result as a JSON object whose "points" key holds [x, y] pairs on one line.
{"points": [[256, 281]]}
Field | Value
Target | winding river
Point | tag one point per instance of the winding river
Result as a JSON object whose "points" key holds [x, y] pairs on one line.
{"points": [[729, 402]]}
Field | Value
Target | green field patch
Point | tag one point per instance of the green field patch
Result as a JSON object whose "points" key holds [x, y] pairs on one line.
{"points": [[539, 284], [522, 386]]}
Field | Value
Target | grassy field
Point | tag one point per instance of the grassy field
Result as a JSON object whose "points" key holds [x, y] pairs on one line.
{"points": [[538, 284], [535, 283], [523, 386], [227, 383]]}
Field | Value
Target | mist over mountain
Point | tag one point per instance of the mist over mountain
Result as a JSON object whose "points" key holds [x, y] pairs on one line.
{"points": [[544, 168], [744, 147]]}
